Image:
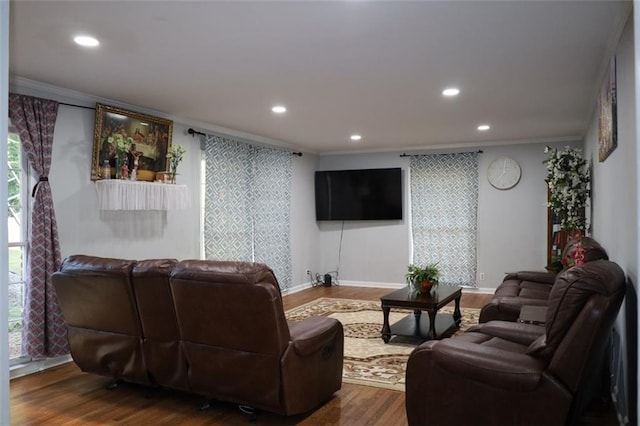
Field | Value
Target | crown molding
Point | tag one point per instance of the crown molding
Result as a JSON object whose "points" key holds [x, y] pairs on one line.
{"points": [[29, 87], [455, 147]]}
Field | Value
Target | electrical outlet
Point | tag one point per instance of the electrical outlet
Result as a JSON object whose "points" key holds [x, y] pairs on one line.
{"points": [[481, 276], [308, 272]]}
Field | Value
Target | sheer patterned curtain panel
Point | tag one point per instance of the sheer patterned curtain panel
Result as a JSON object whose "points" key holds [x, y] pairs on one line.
{"points": [[247, 205], [444, 204]]}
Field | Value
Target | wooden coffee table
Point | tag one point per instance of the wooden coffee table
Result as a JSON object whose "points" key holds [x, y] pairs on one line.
{"points": [[416, 325]]}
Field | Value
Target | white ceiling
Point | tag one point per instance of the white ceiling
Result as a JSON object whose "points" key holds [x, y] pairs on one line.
{"points": [[528, 68]]}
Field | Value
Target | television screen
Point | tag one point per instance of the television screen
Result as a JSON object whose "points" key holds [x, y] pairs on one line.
{"points": [[369, 194]]}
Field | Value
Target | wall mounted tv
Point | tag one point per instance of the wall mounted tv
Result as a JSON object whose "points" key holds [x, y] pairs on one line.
{"points": [[368, 194]]}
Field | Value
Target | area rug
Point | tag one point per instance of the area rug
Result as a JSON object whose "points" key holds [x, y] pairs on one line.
{"points": [[367, 359]]}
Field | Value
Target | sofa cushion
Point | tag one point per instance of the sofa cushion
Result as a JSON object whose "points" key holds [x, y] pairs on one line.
{"points": [[533, 287]]}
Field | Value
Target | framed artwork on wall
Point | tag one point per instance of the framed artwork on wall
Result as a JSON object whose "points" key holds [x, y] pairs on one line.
{"points": [[122, 137], [608, 114]]}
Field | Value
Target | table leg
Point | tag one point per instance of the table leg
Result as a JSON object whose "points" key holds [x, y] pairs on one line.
{"points": [[457, 315], [432, 325], [386, 330], [417, 313]]}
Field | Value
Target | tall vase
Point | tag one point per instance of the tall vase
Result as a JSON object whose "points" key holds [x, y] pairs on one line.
{"points": [[118, 175]]}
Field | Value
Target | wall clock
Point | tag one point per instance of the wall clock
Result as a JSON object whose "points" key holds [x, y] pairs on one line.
{"points": [[504, 173]]}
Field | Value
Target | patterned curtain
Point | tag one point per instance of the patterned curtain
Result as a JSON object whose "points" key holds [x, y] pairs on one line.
{"points": [[247, 205], [44, 333], [444, 204]]}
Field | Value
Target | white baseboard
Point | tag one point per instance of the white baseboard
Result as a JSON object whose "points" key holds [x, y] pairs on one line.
{"points": [[478, 290], [474, 290], [297, 288], [370, 284]]}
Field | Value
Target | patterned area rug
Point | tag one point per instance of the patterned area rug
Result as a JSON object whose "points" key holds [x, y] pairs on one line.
{"points": [[367, 359]]}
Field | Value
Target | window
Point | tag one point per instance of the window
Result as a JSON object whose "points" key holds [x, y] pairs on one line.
{"points": [[444, 203], [17, 217]]}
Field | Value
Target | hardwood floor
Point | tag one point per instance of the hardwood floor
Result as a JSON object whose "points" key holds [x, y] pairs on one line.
{"points": [[66, 396]]}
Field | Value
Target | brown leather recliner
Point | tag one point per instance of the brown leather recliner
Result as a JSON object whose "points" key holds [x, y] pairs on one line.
{"points": [[213, 328], [103, 326], [239, 345], [532, 287], [502, 372]]}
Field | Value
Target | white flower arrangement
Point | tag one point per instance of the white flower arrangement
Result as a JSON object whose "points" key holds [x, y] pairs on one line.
{"points": [[175, 156], [569, 182]]}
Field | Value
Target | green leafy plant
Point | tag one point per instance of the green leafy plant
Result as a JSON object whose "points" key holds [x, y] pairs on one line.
{"points": [[422, 278], [120, 143]]}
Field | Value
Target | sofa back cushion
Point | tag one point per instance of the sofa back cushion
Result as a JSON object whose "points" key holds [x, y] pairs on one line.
{"points": [[583, 305], [151, 285], [161, 344], [230, 304], [98, 304], [232, 325]]}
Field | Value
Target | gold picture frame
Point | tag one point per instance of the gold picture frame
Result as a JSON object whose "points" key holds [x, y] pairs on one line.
{"points": [[608, 114], [116, 129]]}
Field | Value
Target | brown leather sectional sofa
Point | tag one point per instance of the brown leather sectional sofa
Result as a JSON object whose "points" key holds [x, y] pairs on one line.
{"points": [[510, 373], [532, 287], [216, 329]]}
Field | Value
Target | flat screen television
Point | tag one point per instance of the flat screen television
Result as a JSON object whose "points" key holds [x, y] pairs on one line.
{"points": [[368, 194]]}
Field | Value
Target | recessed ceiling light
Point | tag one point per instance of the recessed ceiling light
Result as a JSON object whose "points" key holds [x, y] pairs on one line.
{"points": [[451, 91], [484, 127], [279, 109], [86, 41], [356, 137]]}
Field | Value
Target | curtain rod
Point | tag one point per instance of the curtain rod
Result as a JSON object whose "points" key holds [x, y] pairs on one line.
{"points": [[194, 132], [77, 106], [191, 131], [421, 155]]}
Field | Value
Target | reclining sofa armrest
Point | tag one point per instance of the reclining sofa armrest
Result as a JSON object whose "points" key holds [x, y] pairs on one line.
{"points": [[488, 365], [518, 332], [310, 335], [542, 277]]}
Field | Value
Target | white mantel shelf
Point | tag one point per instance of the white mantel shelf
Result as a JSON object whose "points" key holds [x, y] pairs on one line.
{"points": [[117, 194]]}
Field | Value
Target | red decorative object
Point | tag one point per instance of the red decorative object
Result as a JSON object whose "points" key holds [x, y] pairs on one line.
{"points": [[575, 256]]}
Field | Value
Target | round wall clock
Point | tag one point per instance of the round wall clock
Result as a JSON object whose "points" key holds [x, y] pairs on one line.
{"points": [[504, 173]]}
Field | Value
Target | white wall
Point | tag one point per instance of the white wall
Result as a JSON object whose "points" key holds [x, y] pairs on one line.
{"points": [[373, 252], [84, 229], [511, 224], [305, 251], [615, 181]]}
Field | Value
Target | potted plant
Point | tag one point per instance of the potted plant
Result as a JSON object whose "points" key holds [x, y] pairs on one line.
{"points": [[422, 279]]}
